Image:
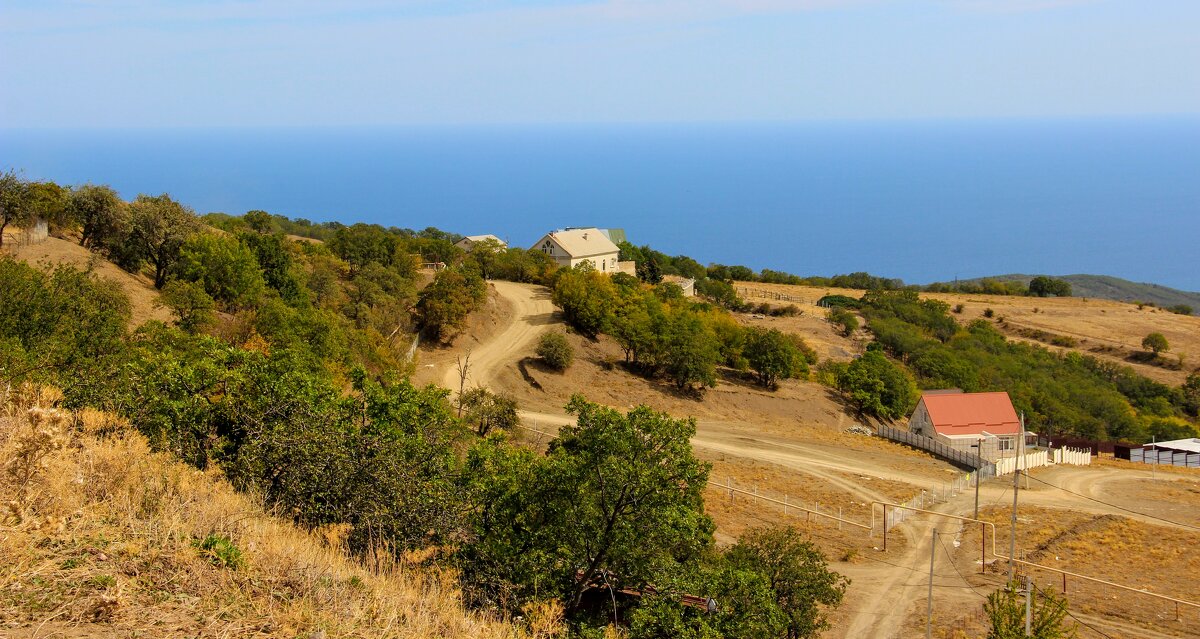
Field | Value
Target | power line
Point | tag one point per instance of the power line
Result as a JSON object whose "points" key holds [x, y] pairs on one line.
{"points": [[960, 575], [1067, 609], [1111, 505]]}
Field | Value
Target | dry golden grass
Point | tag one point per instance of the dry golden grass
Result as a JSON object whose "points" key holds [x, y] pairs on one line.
{"points": [[1157, 559], [1106, 329], [99, 538]]}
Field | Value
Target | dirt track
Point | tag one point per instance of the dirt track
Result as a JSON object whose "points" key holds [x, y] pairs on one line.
{"points": [[886, 588]]}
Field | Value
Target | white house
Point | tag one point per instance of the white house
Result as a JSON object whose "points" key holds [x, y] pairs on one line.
{"points": [[469, 242], [963, 420], [572, 247]]}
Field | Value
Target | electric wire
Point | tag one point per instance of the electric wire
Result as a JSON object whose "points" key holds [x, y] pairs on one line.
{"points": [[1111, 505]]}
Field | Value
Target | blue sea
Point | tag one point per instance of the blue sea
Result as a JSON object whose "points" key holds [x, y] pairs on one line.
{"points": [[922, 201]]}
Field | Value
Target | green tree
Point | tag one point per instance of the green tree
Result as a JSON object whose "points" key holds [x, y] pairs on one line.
{"points": [[101, 215], [772, 356], [487, 411], [14, 201], [1005, 609], [798, 575], [1191, 393], [877, 386], [259, 222], [194, 309], [47, 201], [586, 298], [226, 268], [276, 262], [618, 494], [159, 226], [363, 244], [690, 351], [1155, 343], [444, 305], [1043, 286], [555, 350]]}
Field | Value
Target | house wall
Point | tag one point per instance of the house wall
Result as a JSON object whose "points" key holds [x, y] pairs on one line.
{"points": [[920, 423]]}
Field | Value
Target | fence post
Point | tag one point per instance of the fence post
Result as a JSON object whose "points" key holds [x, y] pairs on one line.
{"points": [[785, 498]]}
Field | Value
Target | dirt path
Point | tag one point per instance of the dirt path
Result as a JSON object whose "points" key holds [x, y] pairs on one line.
{"points": [[533, 315], [888, 587]]}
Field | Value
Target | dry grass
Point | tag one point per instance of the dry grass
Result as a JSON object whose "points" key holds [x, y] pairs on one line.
{"points": [[99, 538], [1157, 559], [1106, 329]]}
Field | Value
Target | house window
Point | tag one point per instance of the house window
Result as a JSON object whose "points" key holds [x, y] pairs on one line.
{"points": [[1005, 443]]}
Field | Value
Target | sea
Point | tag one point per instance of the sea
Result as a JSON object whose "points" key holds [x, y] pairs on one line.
{"points": [[919, 200]]}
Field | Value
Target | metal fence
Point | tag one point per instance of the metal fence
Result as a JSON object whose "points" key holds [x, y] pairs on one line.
{"points": [[1165, 457], [941, 449]]}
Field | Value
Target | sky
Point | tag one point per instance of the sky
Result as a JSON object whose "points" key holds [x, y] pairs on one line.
{"points": [[139, 63]]}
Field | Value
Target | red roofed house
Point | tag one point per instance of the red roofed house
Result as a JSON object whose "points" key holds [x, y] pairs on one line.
{"points": [[962, 419]]}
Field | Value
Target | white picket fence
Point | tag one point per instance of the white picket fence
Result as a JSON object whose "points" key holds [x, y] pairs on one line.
{"points": [[1075, 456]]}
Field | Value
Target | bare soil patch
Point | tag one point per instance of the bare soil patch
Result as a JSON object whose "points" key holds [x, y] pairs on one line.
{"points": [[481, 326]]}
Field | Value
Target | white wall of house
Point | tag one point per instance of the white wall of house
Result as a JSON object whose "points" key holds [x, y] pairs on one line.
{"points": [[602, 262]]}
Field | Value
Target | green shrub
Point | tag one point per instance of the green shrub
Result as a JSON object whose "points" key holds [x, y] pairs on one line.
{"points": [[844, 318], [193, 308], [219, 551], [555, 350]]}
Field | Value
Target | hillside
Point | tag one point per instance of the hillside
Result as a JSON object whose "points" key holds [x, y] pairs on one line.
{"points": [[143, 298], [105, 538], [1108, 287], [1106, 329]]}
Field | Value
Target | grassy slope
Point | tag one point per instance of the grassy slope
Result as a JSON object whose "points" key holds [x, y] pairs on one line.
{"points": [[99, 540], [1108, 287]]}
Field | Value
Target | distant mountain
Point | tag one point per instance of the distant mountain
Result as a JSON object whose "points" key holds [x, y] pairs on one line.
{"points": [[1113, 288]]}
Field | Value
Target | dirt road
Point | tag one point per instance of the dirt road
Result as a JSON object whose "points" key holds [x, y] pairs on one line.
{"points": [[885, 589]]}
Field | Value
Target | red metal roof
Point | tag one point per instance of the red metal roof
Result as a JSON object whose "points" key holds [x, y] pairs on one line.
{"points": [[972, 413]]}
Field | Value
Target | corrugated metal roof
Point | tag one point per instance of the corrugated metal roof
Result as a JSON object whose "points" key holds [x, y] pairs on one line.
{"points": [[1191, 445], [972, 413]]}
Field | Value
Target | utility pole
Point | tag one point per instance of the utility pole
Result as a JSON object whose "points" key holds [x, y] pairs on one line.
{"points": [[1012, 544], [1028, 601], [1154, 449], [929, 605], [978, 467]]}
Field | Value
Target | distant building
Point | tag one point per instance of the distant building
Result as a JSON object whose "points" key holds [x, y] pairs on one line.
{"points": [[469, 242], [572, 247], [686, 283], [962, 420]]}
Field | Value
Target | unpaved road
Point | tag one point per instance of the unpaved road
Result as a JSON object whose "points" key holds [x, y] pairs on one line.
{"points": [[887, 587]]}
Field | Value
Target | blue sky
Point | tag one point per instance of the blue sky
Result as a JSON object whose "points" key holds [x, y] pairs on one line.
{"points": [[135, 63]]}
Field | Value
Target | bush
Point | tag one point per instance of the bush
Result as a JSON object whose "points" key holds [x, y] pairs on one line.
{"points": [[773, 356], [219, 551], [877, 386], [193, 308], [1181, 309], [844, 318], [989, 313], [1155, 343], [555, 350], [225, 267]]}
